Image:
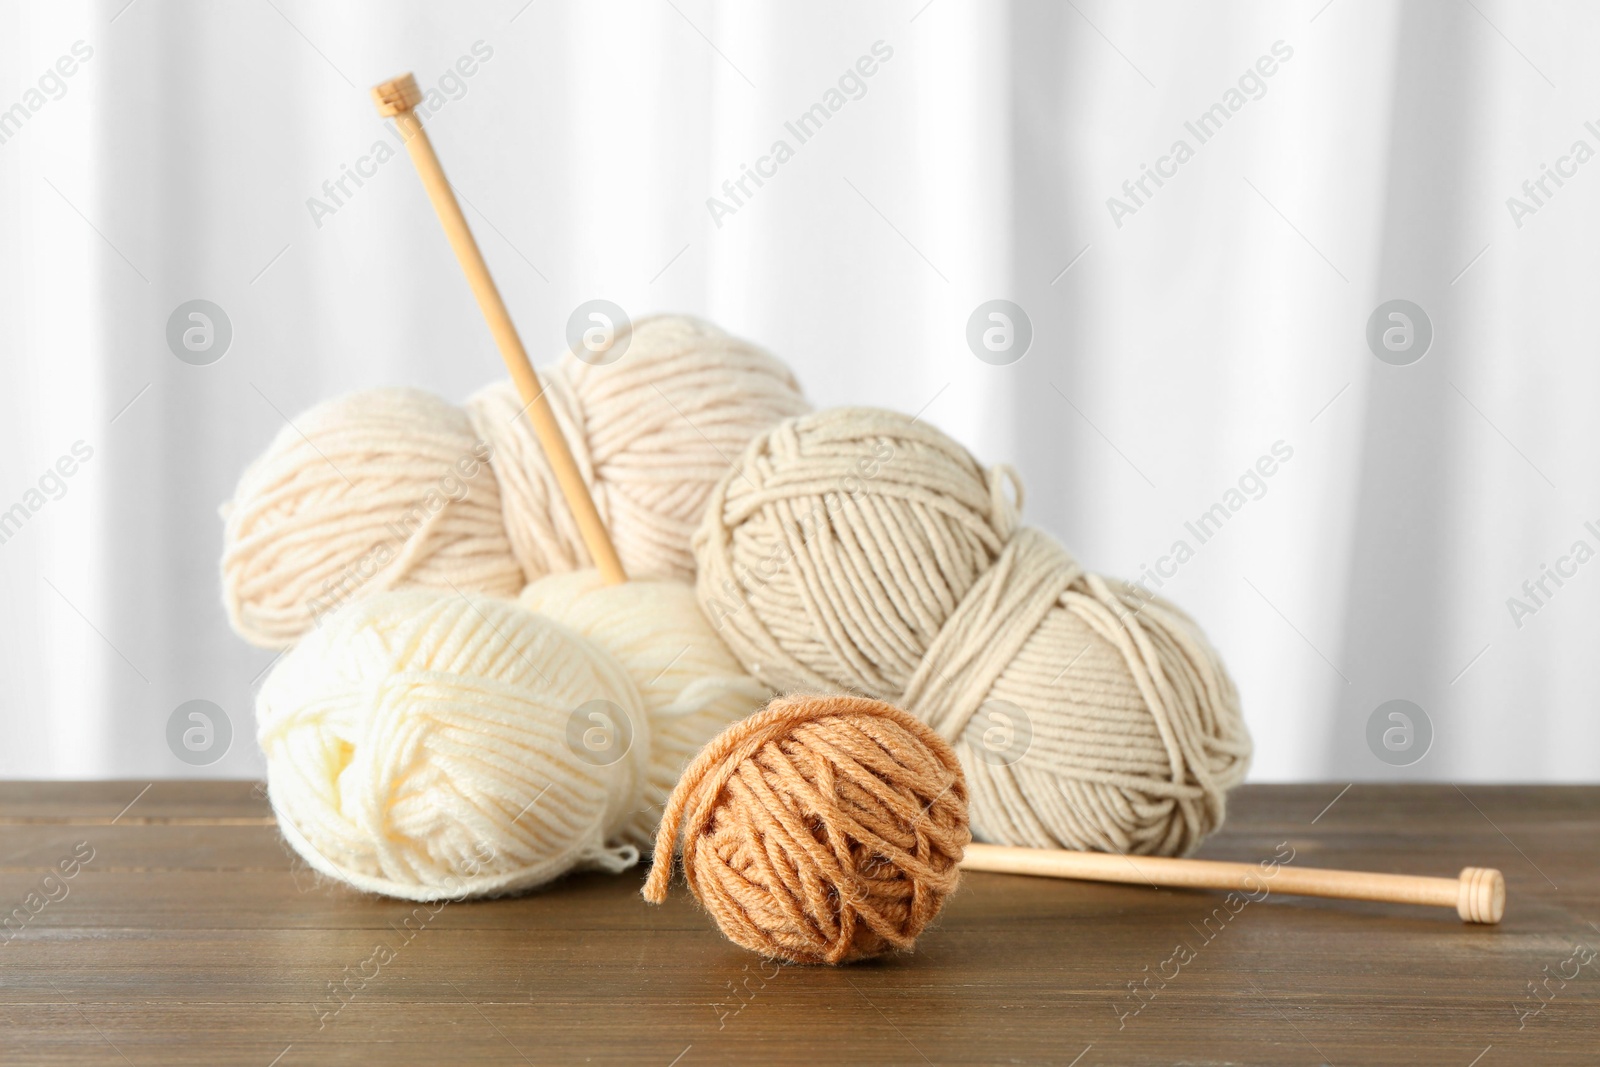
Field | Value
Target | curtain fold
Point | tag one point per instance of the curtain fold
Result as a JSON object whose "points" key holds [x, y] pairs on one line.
{"points": [[1185, 330]]}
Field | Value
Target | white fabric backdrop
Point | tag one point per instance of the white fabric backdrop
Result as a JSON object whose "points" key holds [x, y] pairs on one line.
{"points": [[1170, 352]]}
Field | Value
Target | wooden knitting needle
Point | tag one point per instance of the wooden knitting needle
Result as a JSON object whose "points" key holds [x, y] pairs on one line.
{"points": [[1478, 895], [397, 98]]}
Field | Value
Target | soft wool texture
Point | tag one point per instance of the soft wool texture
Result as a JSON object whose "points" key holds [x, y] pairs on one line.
{"points": [[691, 685], [859, 549], [418, 746], [389, 488], [820, 830]]}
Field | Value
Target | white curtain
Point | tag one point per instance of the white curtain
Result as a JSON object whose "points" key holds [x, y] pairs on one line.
{"points": [[1178, 335]]}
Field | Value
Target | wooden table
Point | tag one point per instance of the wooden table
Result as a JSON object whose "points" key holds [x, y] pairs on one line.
{"points": [[193, 936]]}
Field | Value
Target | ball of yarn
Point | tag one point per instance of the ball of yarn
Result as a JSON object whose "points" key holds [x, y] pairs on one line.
{"points": [[691, 685], [820, 830], [393, 488], [427, 746], [864, 550]]}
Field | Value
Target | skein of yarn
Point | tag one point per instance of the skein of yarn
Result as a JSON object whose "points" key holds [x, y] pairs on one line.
{"points": [[393, 488], [690, 684], [819, 830], [431, 746], [863, 550]]}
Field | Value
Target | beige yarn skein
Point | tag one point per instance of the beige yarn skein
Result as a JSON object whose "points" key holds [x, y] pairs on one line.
{"points": [[394, 488], [858, 549]]}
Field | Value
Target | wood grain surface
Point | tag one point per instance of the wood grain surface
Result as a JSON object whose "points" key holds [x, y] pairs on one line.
{"points": [[191, 935]]}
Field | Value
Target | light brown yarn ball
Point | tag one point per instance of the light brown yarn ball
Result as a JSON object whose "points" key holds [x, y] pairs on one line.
{"points": [[389, 488], [862, 550], [819, 830]]}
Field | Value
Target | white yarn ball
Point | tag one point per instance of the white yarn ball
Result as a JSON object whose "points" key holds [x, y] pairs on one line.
{"points": [[420, 745], [691, 683]]}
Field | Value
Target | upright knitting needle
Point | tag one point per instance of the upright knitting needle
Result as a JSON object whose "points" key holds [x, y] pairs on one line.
{"points": [[1478, 894], [398, 98]]}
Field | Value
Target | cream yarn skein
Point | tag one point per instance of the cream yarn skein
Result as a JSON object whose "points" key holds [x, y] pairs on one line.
{"points": [[859, 549], [691, 685], [392, 488], [423, 745]]}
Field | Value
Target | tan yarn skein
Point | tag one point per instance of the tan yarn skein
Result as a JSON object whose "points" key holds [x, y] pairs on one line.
{"points": [[819, 830], [395, 488], [863, 550]]}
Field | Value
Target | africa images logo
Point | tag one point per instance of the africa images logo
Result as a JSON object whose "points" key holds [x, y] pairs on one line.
{"points": [[1252, 85], [852, 85]]}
